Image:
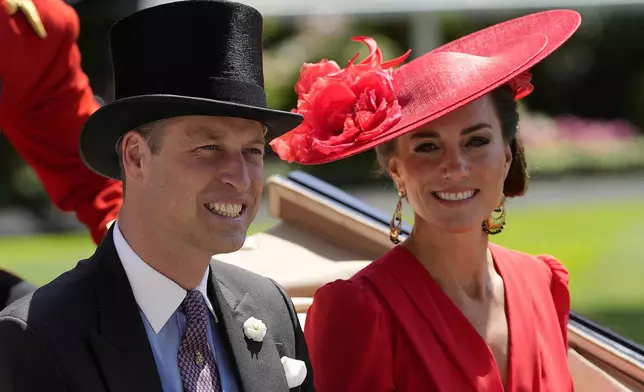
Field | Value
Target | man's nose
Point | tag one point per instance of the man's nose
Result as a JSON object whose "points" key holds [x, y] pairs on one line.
{"points": [[235, 172]]}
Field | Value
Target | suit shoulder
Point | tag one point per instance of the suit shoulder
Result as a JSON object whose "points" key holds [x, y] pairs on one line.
{"points": [[236, 270], [270, 299], [243, 277], [54, 301]]}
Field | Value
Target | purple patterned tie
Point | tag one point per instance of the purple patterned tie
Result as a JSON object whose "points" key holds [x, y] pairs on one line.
{"points": [[197, 364]]}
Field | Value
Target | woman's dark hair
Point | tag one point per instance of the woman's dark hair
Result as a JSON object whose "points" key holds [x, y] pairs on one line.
{"points": [[516, 182]]}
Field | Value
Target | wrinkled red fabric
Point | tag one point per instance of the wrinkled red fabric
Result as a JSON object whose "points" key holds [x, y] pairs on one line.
{"points": [[45, 99], [341, 107]]}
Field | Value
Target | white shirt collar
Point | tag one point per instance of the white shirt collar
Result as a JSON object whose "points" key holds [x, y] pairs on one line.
{"points": [[157, 296]]}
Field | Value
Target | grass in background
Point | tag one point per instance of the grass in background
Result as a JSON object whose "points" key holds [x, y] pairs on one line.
{"points": [[41, 258], [601, 244]]}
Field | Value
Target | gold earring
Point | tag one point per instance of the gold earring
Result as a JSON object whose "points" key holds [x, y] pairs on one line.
{"points": [[395, 225], [496, 221]]}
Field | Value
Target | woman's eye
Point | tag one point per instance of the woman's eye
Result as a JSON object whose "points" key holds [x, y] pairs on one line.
{"points": [[210, 147], [478, 141], [426, 147]]}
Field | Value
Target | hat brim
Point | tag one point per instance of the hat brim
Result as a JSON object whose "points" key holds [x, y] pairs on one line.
{"points": [[105, 126], [513, 47]]}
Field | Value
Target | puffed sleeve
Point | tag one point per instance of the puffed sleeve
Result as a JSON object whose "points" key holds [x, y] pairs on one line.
{"points": [[560, 292], [349, 340]]}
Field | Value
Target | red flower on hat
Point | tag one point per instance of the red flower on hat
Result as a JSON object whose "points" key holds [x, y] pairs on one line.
{"points": [[341, 107], [521, 85]]}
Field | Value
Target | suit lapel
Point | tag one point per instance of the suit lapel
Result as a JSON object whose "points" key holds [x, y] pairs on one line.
{"points": [[120, 343], [258, 363]]}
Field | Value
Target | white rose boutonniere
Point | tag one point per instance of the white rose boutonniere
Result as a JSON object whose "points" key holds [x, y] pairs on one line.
{"points": [[254, 329]]}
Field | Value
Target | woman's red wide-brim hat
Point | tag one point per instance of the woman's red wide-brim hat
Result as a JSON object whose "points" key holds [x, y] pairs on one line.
{"points": [[350, 110]]}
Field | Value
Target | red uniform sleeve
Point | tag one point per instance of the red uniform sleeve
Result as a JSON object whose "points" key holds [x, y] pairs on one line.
{"points": [[560, 292], [45, 99], [347, 334]]}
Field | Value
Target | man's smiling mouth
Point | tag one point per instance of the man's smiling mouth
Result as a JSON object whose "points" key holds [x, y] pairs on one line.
{"points": [[230, 210]]}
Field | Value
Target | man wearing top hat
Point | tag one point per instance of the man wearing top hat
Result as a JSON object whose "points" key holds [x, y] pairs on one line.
{"points": [[149, 311]]}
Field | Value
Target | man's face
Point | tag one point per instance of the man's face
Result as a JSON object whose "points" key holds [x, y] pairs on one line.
{"points": [[204, 184]]}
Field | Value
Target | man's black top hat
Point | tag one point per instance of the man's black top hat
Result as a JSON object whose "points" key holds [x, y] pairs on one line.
{"points": [[195, 57]]}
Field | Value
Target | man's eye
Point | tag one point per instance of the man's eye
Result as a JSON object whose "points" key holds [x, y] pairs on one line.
{"points": [[255, 151]]}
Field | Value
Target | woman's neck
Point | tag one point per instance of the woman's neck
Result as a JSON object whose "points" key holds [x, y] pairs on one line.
{"points": [[459, 262]]}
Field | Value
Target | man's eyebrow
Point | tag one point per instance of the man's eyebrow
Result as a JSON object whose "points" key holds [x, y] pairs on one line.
{"points": [[203, 132]]}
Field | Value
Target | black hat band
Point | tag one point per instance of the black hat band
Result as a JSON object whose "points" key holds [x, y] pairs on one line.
{"points": [[216, 88]]}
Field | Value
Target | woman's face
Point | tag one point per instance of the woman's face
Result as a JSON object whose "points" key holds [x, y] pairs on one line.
{"points": [[453, 168]]}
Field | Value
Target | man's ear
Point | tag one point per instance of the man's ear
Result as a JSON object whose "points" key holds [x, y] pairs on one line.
{"points": [[135, 153]]}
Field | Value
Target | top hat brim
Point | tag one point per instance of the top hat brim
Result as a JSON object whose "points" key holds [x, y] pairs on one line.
{"points": [[105, 126], [504, 51]]}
